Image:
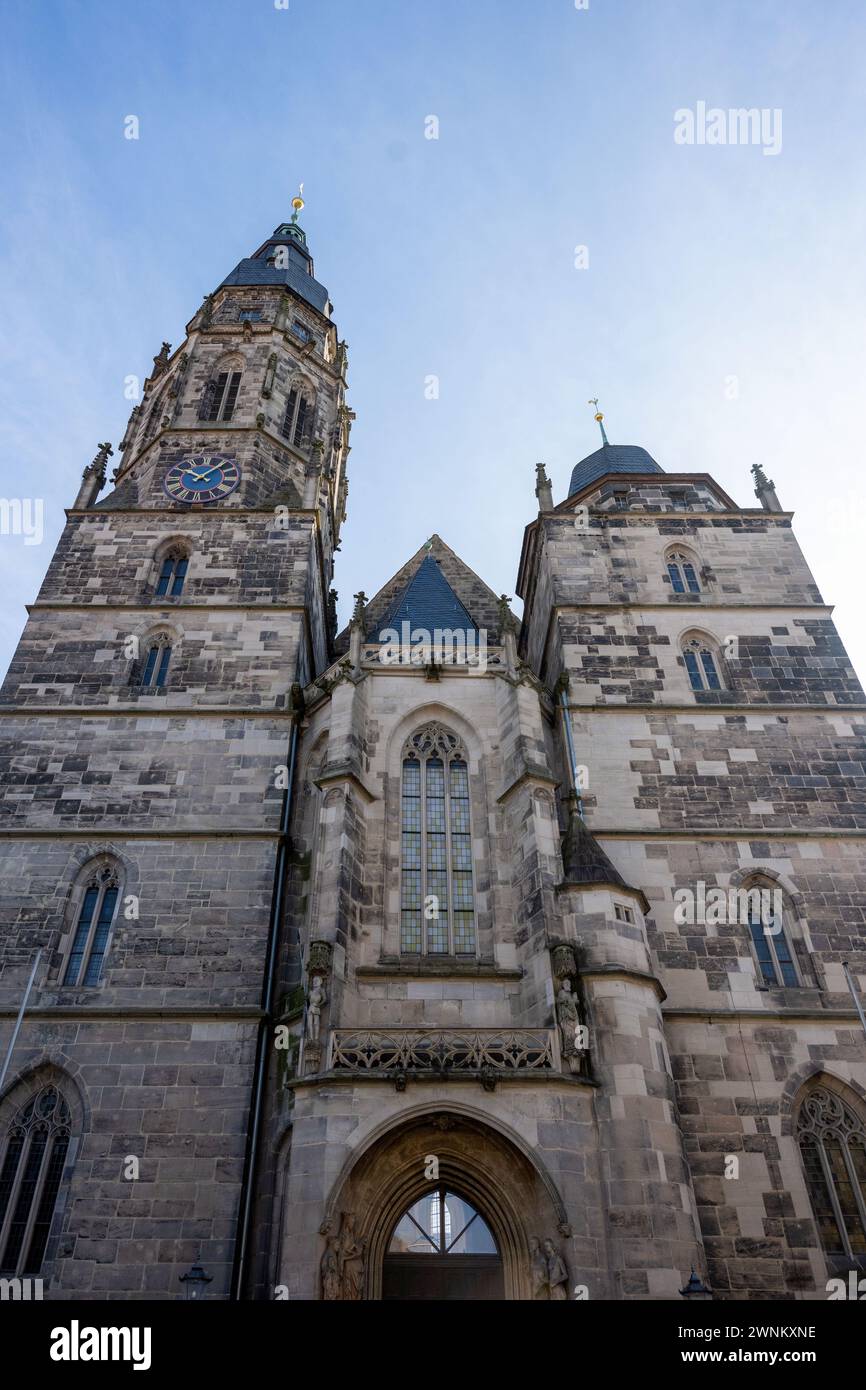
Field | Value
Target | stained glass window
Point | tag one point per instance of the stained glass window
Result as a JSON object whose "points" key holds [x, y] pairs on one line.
{"points": [[437, 898]]}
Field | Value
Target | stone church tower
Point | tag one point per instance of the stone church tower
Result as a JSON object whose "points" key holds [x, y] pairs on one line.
{"points": [[447, 957]]}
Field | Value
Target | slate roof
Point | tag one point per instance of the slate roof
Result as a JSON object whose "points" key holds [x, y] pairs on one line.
{"points": [[297, 274], [611, 458], [428, 602], [478, 601], [583, 859]]}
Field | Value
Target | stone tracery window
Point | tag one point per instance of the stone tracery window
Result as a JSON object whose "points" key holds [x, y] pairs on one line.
{"points": [[832, 1141], [298, 419], [172, 573], [151, 672], [702, 663], [769, 935], [32, 1155], [437, 905], [93, 925], [682, 572], [219, 396]]}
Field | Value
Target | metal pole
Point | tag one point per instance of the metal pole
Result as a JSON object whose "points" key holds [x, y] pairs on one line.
{"points": [[566, 724], [17, 1029], [854, 995]]}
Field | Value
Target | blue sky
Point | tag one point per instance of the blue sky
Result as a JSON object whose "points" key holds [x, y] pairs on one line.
{"points": [[452, 257]]}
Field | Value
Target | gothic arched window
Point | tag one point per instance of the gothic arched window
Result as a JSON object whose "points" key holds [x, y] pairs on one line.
{"points": [[766, 920], [832, 1144], [32, 1155], [436, 897], [172, 574], [298, 419], [151, 672], [682, 572], [93, 925], [219, 396], [702, 663]]}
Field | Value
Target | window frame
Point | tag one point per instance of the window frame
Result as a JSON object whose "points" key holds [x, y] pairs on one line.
{"points": [[433, 743], [150, 672], [218, 403], [694, 646], [177, 560], [810, 1130], [103, 878], [679, 561], [297, 424], [30, 1118], [756, 930]]}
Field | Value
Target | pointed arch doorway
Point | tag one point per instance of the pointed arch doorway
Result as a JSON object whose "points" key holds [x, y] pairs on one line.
{"points": [[442, 1249]]}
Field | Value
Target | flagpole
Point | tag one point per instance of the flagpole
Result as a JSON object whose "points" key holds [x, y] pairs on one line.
{"points": [[16, 1030], [854, 995]]}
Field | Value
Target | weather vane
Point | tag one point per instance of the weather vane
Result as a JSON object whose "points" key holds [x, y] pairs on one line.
{"points": [[599, 418], [298, 202]]}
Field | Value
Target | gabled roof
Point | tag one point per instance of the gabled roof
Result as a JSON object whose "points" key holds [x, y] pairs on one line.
{"points": [[447, 588], [428, 602]]}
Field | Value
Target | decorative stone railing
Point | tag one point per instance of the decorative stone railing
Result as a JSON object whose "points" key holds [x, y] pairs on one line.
{"points": [[443, 1050], [473, 660]]}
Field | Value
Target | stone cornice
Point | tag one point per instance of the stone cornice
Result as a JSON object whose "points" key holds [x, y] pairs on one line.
{"points": [[776, 1015], [591, 885], [123, 1012], [622, 972], [659, 708], [103, 832], [451, 1078], [725, 833], [436, 970], [124, 711], [341, 772], [529, 774]]}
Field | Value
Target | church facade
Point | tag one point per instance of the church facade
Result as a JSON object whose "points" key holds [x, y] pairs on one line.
{"points": [[450, 956]]}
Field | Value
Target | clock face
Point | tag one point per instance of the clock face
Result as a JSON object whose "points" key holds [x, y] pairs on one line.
{"points": [[202, 478]]}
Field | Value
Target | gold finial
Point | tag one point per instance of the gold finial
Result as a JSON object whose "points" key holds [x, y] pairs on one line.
{"points": [[298, 202], [599, 418]]}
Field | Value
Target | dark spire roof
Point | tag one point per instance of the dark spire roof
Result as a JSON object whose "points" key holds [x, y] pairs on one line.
{"points": [[583, 859], [283, 259], [428, 602], [611, 458]]}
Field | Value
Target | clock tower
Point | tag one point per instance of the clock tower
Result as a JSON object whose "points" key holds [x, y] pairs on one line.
{"points": [[149, 719]]}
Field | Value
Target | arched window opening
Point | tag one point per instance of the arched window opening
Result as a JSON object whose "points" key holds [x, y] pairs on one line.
{"points": [[702, 664], [93, 927], [832, 1144], [172, 574], [437, 900], [33, 1154], [441, 1223], [298, 419], [219, 396], [682, 572], [770, 938], [151, 672]]}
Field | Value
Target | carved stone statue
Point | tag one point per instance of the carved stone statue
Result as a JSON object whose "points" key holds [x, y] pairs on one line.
{"points": [[316, 1000], [557, 1272], [537, 1268], [568, 1018], [331, 1288], [351, 1256], [343, 1263]]}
